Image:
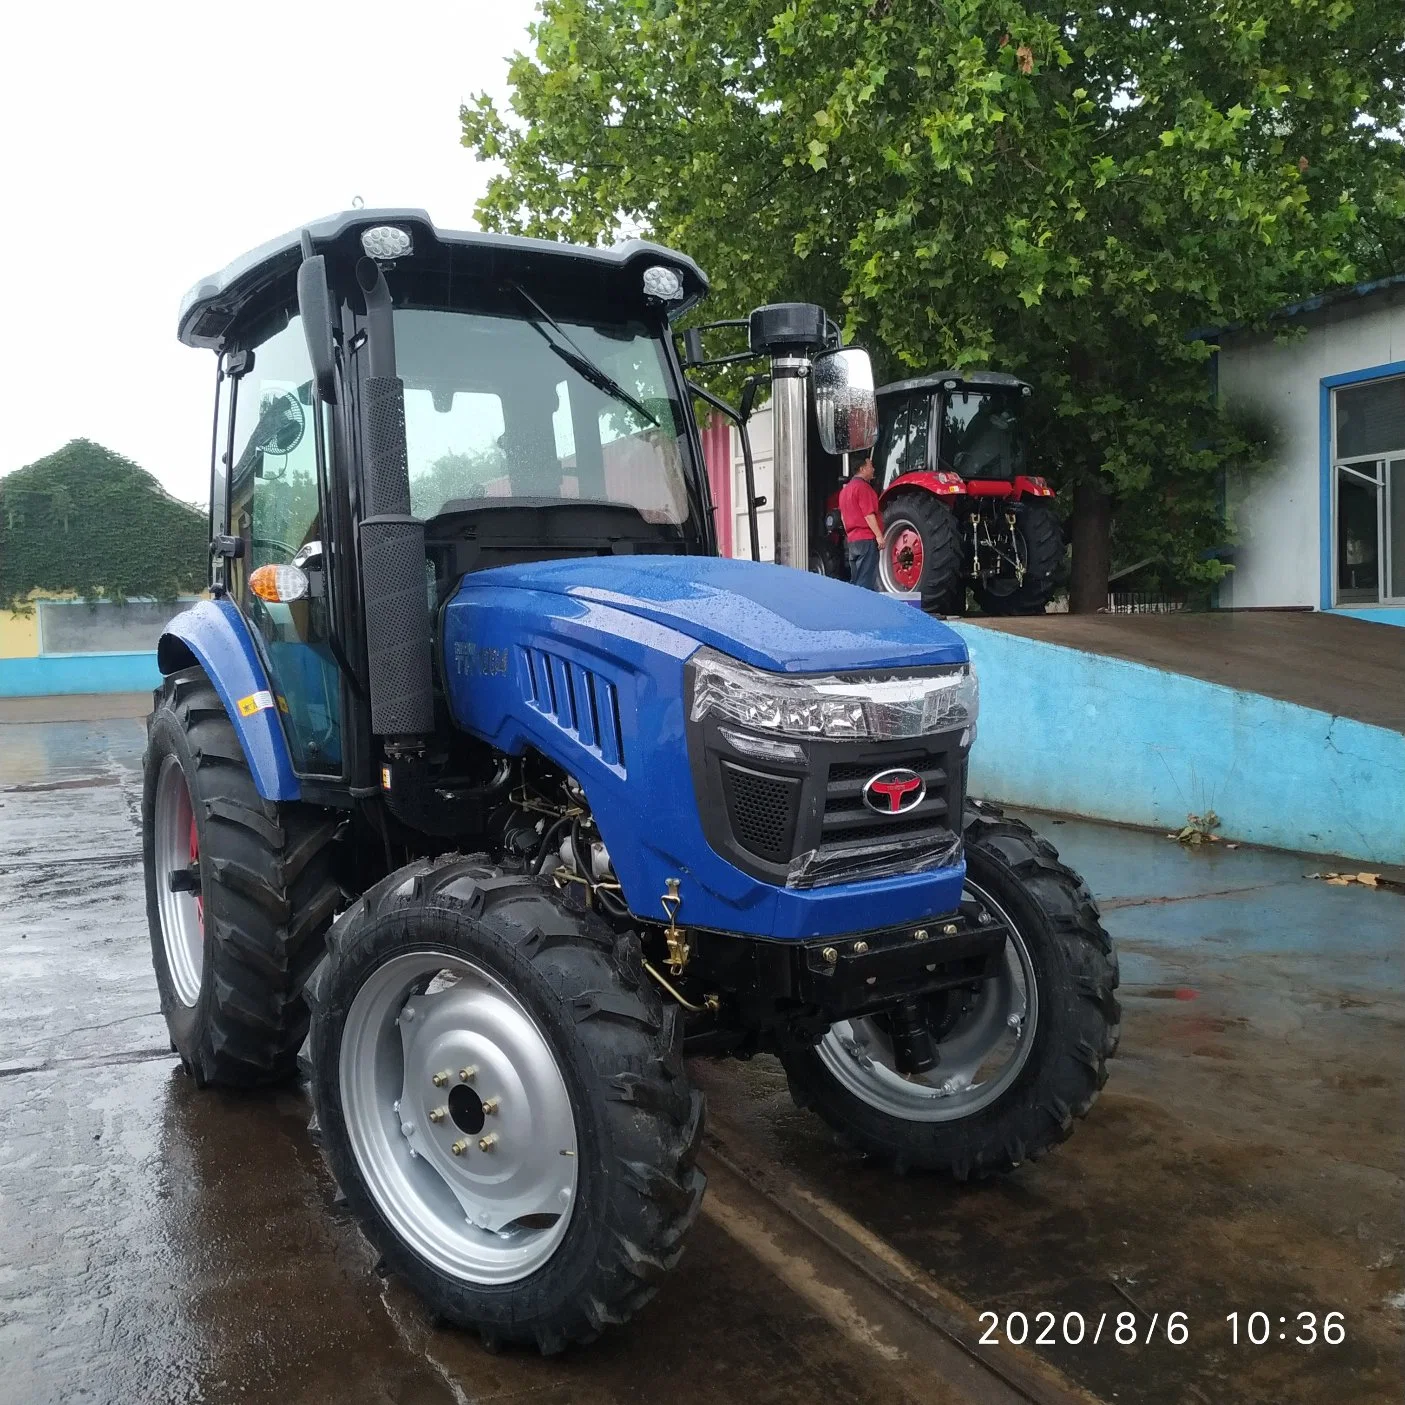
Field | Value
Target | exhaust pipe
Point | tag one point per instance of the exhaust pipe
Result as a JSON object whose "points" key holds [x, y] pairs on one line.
{"points": [[394, 586]]}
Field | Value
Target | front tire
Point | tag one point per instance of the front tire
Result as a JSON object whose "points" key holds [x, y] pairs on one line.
{"points": [[238, 893], [921, 550], [457, 1004], [1024, 1056]]}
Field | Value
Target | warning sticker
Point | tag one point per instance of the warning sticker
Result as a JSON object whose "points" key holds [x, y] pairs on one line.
{"points": [[255, 702]]}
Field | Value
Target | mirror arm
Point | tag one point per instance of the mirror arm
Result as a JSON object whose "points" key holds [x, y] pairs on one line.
{"points": [[739, 418]]}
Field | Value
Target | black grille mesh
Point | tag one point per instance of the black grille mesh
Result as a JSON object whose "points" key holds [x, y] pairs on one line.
{"points": [[386, 468], [397, 627], [762, 810]]}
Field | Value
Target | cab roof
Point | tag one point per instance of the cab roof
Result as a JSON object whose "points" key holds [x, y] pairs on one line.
{"points": [[264, 277], [934, 379]]}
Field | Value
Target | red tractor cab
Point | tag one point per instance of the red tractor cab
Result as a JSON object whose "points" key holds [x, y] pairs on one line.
{"points": [[960, 505]]}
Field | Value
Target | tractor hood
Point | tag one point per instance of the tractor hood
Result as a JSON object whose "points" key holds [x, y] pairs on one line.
{"points": [[772, 617]]}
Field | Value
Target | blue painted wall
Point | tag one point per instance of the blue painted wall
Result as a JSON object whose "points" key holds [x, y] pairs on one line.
{"points": [[1091, 735], [1381, 614], [78, 673]]}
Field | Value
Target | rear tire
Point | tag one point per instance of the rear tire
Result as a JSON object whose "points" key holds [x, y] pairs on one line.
{"points": [[1042, 531], [1071, 1022], [555, 1023], [233, 954], [937, 572]]}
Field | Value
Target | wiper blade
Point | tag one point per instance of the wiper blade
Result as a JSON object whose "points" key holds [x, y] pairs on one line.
{"points": [[577, 360]]}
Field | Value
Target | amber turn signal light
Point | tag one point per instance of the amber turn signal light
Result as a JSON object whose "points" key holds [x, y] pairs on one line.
{"points": [[280, 584]]}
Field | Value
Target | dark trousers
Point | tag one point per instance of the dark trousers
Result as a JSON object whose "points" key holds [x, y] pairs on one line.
{"points": [[863, 563]]}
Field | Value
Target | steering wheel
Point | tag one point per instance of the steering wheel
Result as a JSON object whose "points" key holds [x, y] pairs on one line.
{"points": [[267, 544]]}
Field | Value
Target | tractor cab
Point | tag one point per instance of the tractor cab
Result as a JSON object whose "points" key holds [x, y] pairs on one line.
{"points": [[543, 417], [973, 424]]}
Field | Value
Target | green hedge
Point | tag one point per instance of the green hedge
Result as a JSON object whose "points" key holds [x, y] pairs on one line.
{"points": [[88, 520]]}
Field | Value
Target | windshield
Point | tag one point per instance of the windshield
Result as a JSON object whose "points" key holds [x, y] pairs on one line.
{"points": [[492, 411], [983, 434]]}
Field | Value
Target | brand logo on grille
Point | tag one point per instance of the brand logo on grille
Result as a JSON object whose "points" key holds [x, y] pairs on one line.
{"points": [[894, 792]]}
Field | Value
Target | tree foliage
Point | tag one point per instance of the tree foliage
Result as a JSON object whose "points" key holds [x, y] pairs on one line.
{"points": [[1064, 191], [88, 520]]}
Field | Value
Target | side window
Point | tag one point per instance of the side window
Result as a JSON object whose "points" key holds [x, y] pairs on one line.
{"points": [[273, 507], [273, 481], [219, 472], [904, 446]]}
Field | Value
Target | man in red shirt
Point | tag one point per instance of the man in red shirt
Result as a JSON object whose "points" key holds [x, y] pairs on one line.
{"points": [[858, 506]]}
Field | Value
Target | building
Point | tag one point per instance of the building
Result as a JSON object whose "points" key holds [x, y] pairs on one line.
{"points": [[1324, 527]]}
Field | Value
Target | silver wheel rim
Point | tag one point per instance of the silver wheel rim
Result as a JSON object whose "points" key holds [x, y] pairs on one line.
{"points": [[182, 931], [980, 1056], [433, 1033], [886, 578]]}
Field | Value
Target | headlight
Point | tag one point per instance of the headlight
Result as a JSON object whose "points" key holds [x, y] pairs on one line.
{"points": [[880, 705]]}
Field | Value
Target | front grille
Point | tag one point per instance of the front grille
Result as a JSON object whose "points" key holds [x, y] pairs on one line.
{"points": [[849, 820], [762, 810]]}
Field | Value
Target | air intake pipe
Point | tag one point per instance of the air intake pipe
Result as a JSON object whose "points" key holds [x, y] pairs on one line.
{"points": [[394, 584]]}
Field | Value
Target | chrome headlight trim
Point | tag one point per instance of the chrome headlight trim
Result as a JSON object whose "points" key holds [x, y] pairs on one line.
{"points": [[881, 705]]}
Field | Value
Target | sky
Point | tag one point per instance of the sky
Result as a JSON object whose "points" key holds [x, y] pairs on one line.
{"points": [[147, 144]]}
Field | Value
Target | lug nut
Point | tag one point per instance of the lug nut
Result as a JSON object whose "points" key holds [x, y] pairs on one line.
{"points": [[490, 1106], [437, 1114], [489, 1142], [860, 948], [407, 1129], [459, 1147], [920, 935], [440, 1078], [465, 1074]]}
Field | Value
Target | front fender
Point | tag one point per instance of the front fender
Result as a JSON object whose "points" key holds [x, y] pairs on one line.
{"points": [[216, 636], [943, 484]]}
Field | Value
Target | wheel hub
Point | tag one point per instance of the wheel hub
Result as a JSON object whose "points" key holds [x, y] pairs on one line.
{"points": [[905, 556], [459, 1117], [981, 1044]]}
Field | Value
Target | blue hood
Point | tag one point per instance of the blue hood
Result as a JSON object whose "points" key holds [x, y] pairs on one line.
{"points": [[774, 617]]}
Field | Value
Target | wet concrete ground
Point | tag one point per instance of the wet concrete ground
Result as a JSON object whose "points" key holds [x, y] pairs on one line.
{"points": [[159, 1244]]}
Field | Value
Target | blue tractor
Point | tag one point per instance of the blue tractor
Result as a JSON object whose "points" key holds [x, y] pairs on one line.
{"points": [[482, 773]]}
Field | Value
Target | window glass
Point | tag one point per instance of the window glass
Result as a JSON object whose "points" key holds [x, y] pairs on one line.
{"points": [[1371, 418], [492, 411], [273, 485], [1395, 492], [273, 506], [1358, 537], [219, 467], [905, 446], [982, 434]]}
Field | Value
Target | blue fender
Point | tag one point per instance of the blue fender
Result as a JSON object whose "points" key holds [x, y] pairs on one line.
{"points": [[216, 636]]}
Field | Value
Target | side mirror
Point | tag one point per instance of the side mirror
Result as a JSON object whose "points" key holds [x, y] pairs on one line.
{"points": [[846, 408], [315, 309]]}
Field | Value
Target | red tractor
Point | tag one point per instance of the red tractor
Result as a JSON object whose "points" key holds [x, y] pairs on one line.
{"points": [[960, 507]]}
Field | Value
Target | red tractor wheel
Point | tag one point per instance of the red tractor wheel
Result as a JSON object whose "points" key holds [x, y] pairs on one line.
{"points": [[922, 551]]}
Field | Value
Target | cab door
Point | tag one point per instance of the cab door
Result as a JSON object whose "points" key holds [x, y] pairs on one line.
{"points": [[273, 509]]}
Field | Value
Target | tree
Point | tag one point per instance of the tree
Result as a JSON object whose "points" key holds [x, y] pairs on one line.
{"points": [[1064, 191], [88, 520]]}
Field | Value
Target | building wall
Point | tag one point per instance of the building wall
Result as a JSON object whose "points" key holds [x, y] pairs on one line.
{"points": [[759, 430], [1279, 513], [69, 646]]}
